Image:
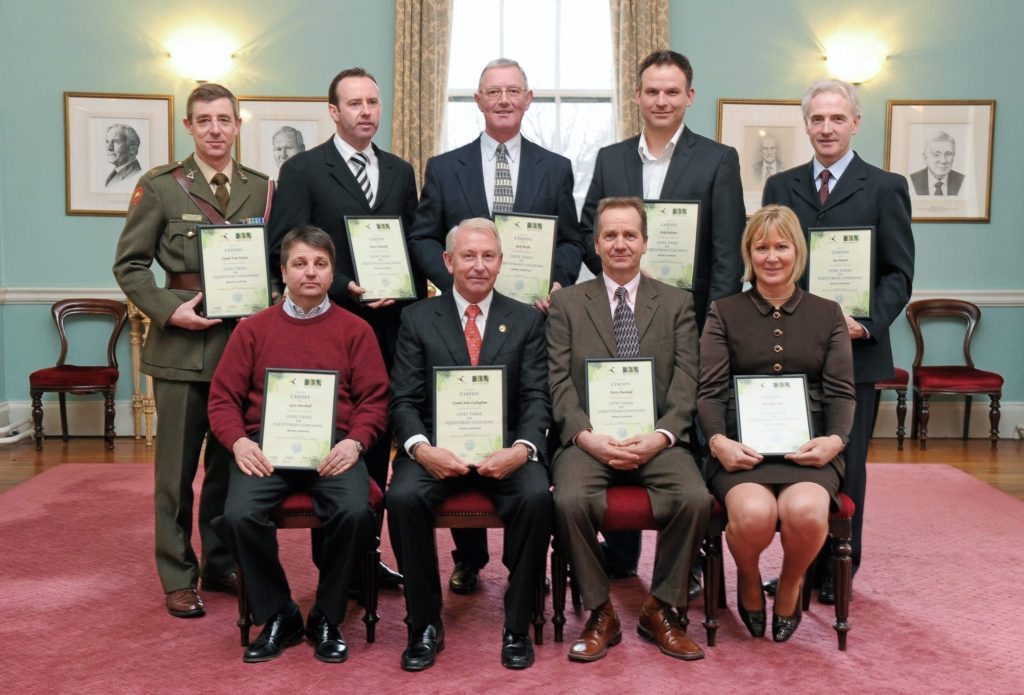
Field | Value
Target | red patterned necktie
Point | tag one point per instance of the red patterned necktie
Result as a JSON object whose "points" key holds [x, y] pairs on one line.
{"points": [[473, 339], [823, 191]]}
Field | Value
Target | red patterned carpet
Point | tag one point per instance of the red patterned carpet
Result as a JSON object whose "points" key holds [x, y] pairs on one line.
{"points": [[936, 609]]}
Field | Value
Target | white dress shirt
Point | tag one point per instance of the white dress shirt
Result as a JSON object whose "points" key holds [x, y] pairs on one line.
{"points": [[656, 168], [372, 168]]}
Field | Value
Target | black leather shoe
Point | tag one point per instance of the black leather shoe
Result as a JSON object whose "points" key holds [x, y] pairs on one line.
{"points": [[783, 626], [228, 584], [282, 631], [693, 591], [464, 578], [756, 621], [328, 642], [827, 591], [424, 646], [389, 578], [516, 650], [770, 586]]}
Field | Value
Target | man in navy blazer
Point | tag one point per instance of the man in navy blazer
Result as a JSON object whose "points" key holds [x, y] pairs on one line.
{"points": [[858, 195], [460, 185]]}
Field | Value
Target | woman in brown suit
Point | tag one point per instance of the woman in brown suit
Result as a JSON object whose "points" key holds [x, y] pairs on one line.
{"points": [[775, 328]]}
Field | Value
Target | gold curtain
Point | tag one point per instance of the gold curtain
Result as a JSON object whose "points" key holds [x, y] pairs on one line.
{"points": [[638, 27], [422, 40]]}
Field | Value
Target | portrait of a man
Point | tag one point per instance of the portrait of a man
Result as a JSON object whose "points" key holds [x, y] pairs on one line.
{"points": [[287, 142], [938, 176], [768, 158], [122, 148]]}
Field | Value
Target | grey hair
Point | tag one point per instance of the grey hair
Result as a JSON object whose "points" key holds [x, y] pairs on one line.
{"points": [[480, 223], [503, 63], [940, 136], [131, 138], [839, 87], [294, 132]]}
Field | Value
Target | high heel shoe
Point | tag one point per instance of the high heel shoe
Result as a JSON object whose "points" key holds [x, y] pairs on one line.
{"points": [[784, 626], [754, 620]]}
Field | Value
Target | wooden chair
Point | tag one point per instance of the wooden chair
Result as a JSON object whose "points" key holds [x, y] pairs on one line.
{"points": [[840, 531], [296, 511], [898, 383], [963, 380], [79, 379], [474, 509]]}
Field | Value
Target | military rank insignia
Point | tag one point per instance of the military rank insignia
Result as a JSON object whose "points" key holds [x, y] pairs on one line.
{"points": [[136, 196]]}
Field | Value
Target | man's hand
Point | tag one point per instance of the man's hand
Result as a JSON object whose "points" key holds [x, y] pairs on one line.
{"points": [[339, 459], [608, 450], [440, 462], [646, 446], [817, 452], [504, 462], [544, 303], [734, 456], [250, 458], [356, 291], [855, 328], [185, 316]]}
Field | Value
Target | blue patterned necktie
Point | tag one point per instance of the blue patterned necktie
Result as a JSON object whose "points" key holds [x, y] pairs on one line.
{"points": [[503, 197], [361, 161], [627, 340]]}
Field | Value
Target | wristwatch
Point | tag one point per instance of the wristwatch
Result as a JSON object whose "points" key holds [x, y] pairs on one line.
{"points": [[359, 447]]}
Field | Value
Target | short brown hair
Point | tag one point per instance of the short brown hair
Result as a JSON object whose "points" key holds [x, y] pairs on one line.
{"points": [[210, 92], [332, 91], [311, 236], [782, 221], [621, 202], [665, 58]]}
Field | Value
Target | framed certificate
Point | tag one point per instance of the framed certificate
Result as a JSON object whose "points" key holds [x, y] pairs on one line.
{"points": [[298, 423], [469, 411], [380, 257], [840, 267], [620, 396], [773, 414], [528, 254], [671, 241], [233, 269]]}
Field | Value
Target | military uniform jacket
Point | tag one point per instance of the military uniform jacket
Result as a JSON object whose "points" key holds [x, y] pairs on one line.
{"points": [[161, 226]]}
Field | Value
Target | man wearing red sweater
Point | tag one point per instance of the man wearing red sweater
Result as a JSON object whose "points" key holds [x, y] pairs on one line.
{"points": [[305, 331]]}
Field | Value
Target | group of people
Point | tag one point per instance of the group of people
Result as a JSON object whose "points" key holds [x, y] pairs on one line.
{"points": [[209, 374]]}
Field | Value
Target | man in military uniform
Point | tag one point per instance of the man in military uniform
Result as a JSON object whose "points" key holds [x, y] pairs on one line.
{"points": [[183, 347]]}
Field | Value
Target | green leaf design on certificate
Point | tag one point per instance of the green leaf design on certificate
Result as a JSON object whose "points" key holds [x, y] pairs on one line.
{"points": [[743, 386], [443, 377], [816, 240], [274, 380]]}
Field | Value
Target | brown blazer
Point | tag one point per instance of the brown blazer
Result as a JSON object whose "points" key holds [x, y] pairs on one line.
{"points": [[579, 327]]}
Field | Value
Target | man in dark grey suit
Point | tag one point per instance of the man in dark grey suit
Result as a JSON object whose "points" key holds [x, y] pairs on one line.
{"points": [[349, 175], [623, 313], [668, 161], [839, 189], [938, 176], [461, 184], [471, 325]]}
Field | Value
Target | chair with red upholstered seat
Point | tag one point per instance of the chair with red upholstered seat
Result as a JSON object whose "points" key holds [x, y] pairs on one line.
{"points": [[474, 509], [965, 380], [840, 531], [898, 383], [79, 379], [296, 511]]}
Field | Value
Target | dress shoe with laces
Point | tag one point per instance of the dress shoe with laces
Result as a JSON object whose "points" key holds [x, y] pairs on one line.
{"points": [[660, 624], [185, 603], [424, 646], [602, 630], [228, 584], [516, 650], [783, 626], [756, 621], [280, 632], [328, 642], [464, 578]]}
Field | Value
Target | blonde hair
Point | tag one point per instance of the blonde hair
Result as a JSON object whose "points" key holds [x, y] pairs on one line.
{"points": [[782, 221]]}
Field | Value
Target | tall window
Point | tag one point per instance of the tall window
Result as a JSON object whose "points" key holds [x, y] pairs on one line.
{"points": [[565, 48]]}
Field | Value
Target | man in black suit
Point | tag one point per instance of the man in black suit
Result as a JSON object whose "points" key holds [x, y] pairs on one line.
{"points": [[938, 176], [349, 175], [470, 325], [668, 161], [461, 184], [839, 189]]}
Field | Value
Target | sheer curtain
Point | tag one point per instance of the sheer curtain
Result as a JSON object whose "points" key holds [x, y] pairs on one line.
{"points": [[638, 27]]}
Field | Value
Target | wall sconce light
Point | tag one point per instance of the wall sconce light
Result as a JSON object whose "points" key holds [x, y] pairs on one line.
{"points": [[855, 58], [203, 54]]}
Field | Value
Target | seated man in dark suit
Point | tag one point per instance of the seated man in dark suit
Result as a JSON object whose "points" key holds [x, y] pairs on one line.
{"points": [[470, 326], [331, 339], [623, 313], [938, 176]]}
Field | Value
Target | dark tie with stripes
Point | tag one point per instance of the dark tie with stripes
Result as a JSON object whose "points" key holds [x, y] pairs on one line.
{"points": [[361, 161], [503, 198], [823, 191], [624, 326]]}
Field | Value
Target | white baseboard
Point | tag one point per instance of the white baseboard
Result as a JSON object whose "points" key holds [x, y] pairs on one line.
{"points": [[85, 417], [946, 417]]}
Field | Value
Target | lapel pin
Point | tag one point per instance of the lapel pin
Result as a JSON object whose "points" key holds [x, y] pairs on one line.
{"points": [[502, 328]]}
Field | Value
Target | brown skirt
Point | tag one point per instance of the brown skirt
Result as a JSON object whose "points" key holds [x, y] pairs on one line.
{"points": [[775, 470]]}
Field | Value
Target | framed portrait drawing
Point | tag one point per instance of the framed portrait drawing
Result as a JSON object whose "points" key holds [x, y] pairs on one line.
{"points": [[276, 128], [944, 148], [769, 136], [110, 140]]}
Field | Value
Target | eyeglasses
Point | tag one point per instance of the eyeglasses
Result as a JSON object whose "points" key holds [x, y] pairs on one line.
{"points": [[494, 93]]}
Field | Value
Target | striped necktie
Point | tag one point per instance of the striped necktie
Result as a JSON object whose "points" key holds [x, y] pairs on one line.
{"points": [[627, 340], [503, 198], [361, 161]]}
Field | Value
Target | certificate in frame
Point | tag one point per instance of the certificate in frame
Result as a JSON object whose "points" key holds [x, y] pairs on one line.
{"points": [[233, 269], [380, 258], [469, 411], [620, 400], [528, 255], [773, 413], [841, 267], [297, 425], [672, 241]]}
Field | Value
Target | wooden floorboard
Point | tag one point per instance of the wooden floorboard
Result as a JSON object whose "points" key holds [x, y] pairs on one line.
{"points": [[1002, 468]]}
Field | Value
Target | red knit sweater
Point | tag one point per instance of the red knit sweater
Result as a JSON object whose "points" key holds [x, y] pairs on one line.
{"points": [[336, 340]]}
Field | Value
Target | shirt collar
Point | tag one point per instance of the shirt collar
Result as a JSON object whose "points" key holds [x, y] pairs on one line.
{"points": [[645, 153], [631, 288], [765, 307], [461, 303], [208, 171], [296, 312], [489, 146], [836, 169], [346, 150]]}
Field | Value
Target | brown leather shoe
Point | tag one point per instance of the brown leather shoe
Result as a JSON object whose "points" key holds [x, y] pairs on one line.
{"points": [[660, 624], [228, 584], [185, 603], [602, 631]]}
